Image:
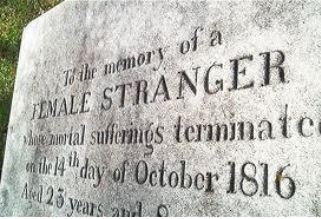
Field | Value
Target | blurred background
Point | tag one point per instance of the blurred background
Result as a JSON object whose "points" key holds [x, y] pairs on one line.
{"points": [[14, 16]]}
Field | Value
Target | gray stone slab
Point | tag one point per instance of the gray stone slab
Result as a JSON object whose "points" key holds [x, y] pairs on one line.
{"points": [[167, 108]]}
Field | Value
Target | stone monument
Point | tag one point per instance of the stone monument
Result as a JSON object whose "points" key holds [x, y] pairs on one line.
{"points": [[167, 108]]}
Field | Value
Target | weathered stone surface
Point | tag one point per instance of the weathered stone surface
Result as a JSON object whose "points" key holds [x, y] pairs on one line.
{"points": [[199, 108]]}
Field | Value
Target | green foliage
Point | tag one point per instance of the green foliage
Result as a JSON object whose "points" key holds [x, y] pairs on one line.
{"points": [[4, 115], [14, 15]]}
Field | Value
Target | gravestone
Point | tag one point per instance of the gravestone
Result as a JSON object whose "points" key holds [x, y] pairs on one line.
{"points": [[180, 108]]}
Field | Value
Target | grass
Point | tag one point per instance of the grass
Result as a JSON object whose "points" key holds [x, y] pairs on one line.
{"points": [[14, 16]]}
